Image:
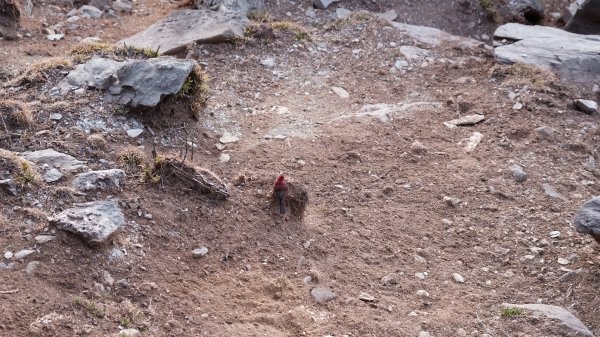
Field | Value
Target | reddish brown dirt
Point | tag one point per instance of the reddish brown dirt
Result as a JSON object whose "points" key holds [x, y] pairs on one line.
{"points": [[376, 198]]}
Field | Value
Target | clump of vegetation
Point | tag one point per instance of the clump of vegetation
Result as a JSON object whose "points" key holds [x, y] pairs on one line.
{"points": [[15, 114], [91, 307], [357, 18], [151, 173], [511, 312], [266, 30], [519, 74], [131, 159], [196, 88], [490, 9], [259, 16], [20, 170], [136, 52], [39, 72], [96, 141], [84, 51]]}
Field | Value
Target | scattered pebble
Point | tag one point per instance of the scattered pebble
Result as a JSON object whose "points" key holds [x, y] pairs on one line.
{"points": [[517, 106], [341, 92], [134, 133], [129, 332], [199, 252], [56, 116], [8, 255], [228, 138], [23, 254], [224, 158], [322, 294], [563, 261], [554, 234], [551, 192], [545, 132], [52, 175], [390, 279], [422, 293], [31, 266], [421, 276], [454, 202], [366, 297], [41, 239], [268, 62], [587, 106], [518, 173], [458, 278]]}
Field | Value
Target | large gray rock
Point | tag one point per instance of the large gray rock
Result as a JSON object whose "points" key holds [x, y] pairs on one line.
{"points": [[53, 159], [240, 6], [93, 221], [571, 56], [173, 33], [585, 17], [90, 12], [587, 219], [133, 82], [322, 4], [99, 180], [146, 82], [96, 73], [433, 36], [523, 11], [562, 315], [9, 19]]}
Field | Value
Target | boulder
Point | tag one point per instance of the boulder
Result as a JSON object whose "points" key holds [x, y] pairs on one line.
{"points": [[585, 17], [523, 11], [322, 4], [433, 36], [10, 16], [587, 219], [133, 82], [146, 82], [122, 6], [90, 12], [53, 159], [240, 6], [563, 316], [99, 180], [173, 33], [573, 57], [93, 221]]}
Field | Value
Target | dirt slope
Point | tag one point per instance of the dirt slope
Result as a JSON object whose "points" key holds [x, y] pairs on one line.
{"points": [[376, 192]]}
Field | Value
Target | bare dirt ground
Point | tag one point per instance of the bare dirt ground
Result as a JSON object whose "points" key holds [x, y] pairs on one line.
{"points": [[376, 192]]}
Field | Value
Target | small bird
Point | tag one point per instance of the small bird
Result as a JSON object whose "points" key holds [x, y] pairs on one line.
{"points": [[280, 190]]}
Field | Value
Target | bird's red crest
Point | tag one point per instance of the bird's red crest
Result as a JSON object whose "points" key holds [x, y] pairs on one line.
{"points": [[280, 179]]}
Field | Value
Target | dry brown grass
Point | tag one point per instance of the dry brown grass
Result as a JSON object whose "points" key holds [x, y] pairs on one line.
{"points": [[15, 114], [196, 89], [23, 172], [38, 72], [97, 141], [132, 159], [519, 74]]}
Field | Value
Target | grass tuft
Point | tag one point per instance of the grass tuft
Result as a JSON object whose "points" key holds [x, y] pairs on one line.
{"points": [[15, 114], [511, 312]]}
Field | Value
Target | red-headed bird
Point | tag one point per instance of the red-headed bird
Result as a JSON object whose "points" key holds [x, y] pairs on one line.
{"points": [[280, 190]]}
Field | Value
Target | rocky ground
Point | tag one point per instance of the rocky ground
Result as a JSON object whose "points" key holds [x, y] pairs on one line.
{"points": [[419, 223]]}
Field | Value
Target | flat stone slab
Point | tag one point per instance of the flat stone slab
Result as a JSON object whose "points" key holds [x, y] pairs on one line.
{"points": [[572, 56], [93, 221], [171, 34], [99, 180], [551, 311], [53, 159]]}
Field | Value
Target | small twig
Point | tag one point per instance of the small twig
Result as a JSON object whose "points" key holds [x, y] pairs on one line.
{"points": [[383, 175], [12, 291], [482, 324]]}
